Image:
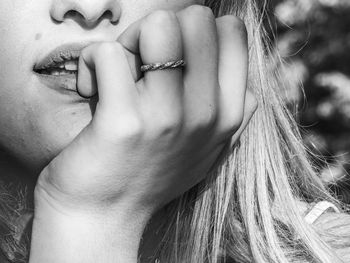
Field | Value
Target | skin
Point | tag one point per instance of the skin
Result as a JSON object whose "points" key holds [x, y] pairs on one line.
{"points": [[102, 169], [28, 107]]}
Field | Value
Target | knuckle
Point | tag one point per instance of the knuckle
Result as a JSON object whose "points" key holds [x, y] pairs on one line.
{"points": [[227, 20], [235, 24], [201, 11], [240, 27], [109, 49], [169, 125], [161, 18], [233, 20], [208, 120], [131, 127], [212, 118], [161, 35]]}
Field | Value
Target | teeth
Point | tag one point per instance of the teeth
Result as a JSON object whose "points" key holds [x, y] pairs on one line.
{"points": [[55, 73], [59, 72], [71, 65], [64, 68]]}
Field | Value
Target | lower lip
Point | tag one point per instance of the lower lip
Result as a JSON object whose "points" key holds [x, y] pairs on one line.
{"points": [[63, 83]]}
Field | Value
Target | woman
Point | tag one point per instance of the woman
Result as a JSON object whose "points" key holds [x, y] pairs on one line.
{"points": [[162, 162]]}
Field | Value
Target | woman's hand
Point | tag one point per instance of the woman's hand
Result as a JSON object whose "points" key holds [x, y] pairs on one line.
{"points": [[153, 138]]}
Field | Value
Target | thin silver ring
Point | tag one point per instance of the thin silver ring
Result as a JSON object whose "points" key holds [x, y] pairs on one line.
{"points": [[162, 66]]}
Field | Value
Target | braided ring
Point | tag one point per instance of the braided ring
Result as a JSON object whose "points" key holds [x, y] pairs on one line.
{"points": [[162, 66]]}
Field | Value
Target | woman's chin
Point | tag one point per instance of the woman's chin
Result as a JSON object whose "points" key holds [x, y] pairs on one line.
{"points": [[48, 136]]}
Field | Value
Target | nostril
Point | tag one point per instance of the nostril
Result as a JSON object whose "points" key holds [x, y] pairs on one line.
{"points": [[77, 16], [72, 14], [108, 15], [86, 13]]}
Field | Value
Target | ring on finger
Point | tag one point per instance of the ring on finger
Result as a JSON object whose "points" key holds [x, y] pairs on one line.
{"points": [[162, 66]]}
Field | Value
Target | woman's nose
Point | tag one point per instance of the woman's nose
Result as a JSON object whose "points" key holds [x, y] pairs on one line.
{"points": [[88, 13]]}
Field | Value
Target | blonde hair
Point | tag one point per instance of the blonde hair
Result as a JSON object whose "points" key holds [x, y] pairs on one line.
{"points": [[248, 210]]}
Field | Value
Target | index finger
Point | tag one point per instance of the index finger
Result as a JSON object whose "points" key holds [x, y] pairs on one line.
{"points": [[115, 83]]}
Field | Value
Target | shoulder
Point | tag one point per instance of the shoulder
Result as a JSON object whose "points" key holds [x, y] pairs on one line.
{"points": [[334, 229]]}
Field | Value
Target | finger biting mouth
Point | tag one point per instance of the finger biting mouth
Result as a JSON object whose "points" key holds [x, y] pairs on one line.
{"points": [[59, 75], [58, 69], [61, 61], [67, 67]]}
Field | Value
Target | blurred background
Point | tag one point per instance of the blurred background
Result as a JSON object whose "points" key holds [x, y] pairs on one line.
{"points": [[313, 38]]}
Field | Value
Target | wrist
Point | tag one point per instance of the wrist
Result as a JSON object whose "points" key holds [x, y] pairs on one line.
{"points": [[84, 235], [46, 194]]}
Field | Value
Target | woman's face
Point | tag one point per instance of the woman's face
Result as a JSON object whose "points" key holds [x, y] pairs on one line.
{"points": [[38, 120]]}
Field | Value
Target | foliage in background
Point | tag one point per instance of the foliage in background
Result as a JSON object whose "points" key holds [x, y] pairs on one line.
{"points": [[313, 38]]}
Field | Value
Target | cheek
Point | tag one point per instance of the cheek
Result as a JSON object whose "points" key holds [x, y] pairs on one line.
{"points": [[35, 123], [35, 127]]}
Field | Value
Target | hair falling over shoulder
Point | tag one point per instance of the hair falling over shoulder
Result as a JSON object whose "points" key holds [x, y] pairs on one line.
{"points": [[247, 211], [14, 244]]}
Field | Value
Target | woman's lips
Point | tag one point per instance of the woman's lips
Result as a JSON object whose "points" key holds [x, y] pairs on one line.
{"points": [[61, 54], [52, 60], [60, 82]]}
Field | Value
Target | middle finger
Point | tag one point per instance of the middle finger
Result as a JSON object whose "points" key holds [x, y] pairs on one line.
{"points": [[157, 38], [201, 54]]}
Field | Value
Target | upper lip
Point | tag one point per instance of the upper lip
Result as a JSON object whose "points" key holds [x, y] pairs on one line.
{"points": [[70, 51]]}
